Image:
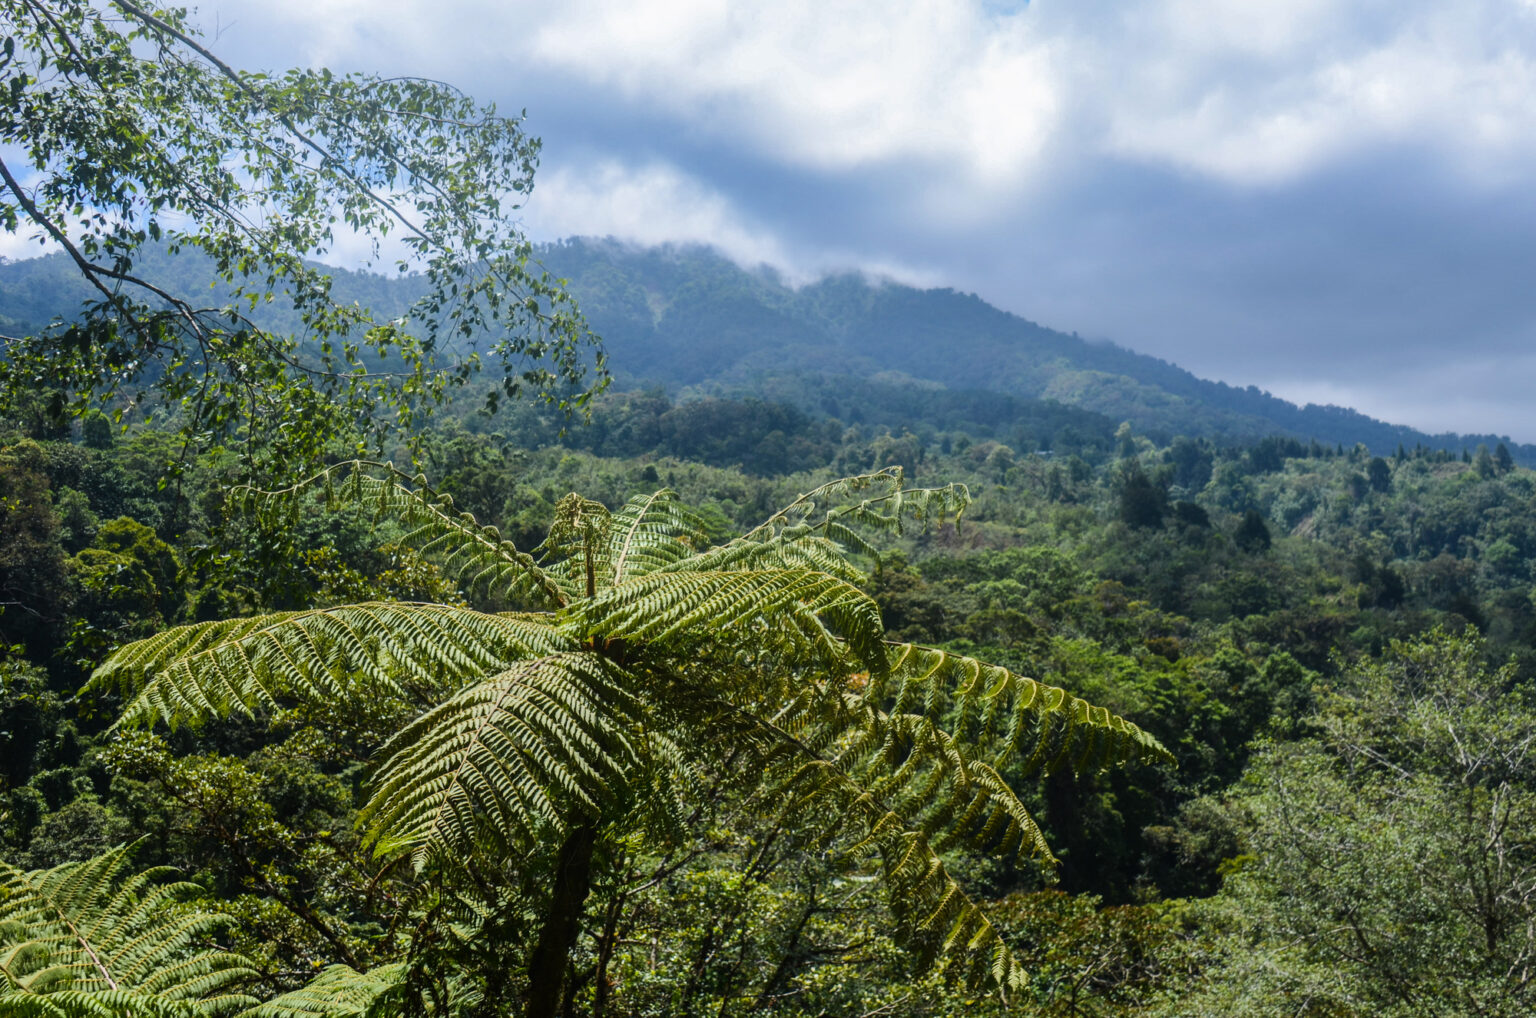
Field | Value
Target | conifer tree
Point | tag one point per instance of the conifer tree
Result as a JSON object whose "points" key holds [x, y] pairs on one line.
{"points": [[1502, 460]]}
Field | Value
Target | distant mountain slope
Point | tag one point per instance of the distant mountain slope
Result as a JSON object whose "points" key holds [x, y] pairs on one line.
{"points": [[687, 316], [689, 319]]}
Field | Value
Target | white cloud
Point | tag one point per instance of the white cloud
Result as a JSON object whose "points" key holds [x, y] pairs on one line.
{"points": [[830, 85], [651, 204], [25, 243], [952, 90], [1263, 94], [656, 203]]}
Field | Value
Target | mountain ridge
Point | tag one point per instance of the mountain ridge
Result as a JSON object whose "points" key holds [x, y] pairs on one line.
{"points": [[851, 325], [689, 319]]}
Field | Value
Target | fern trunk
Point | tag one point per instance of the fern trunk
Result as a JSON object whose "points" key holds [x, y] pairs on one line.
{"points": [[551, 956]]}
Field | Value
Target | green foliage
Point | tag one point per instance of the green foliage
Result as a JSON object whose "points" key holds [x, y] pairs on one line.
{"points": [[407, 652], [1387, 861], [1379, 474], [1252, 534], [337, 992], [29, 712], [657, 664], [90, 939], [710, 846], [32, 581], [1142, 503], [130, 137]]}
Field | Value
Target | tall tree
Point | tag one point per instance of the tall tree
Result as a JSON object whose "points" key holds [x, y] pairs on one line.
{"points": [[1252, 533], [1143, 503], [1388, 866], [653, 668], [1502, 459], [1379, 473], [123, 131]]}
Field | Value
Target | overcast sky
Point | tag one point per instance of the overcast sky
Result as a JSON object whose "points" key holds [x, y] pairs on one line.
{"points": [[1330, 199]]}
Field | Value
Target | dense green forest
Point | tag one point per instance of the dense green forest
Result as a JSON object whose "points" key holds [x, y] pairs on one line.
{"points": [[1334, 647]]}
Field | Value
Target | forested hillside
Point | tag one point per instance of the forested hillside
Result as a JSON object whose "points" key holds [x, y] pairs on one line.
{"points": [[692, 322], [1304, 672], [1302, 628]]}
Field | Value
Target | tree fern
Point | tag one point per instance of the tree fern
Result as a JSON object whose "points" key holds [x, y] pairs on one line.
{"points": [[338, 992], [656, 665], [673, 611], [92, 939], [412, 652], [651, 532], [521, 750]]}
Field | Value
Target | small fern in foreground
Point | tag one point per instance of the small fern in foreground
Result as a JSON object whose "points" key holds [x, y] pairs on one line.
{"points": [[91, 939], [652, 666]]}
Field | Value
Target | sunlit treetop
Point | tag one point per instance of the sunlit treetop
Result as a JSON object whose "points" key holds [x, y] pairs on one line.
{"points": [[123, 134]]}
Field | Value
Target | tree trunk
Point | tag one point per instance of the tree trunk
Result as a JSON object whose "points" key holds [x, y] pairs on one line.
{"points": [[550, 961]]}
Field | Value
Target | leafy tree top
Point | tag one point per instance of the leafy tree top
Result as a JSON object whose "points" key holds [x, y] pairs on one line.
{"points": [[133, 135]]}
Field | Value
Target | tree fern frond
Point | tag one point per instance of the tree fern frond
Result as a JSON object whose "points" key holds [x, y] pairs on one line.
{"points": [[820, 529], [799, 549], [409, 652], [651, 532], [474, 555], [590, 549], [575, 546], [831, 791], [84, 938], [105, 1004], [337, 992], [523, 750], [877, 501], [668, 786], [926, 776], [1018, 717], [676, 609]]}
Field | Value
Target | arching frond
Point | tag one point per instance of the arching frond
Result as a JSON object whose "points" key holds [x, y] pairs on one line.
{"points": [[521, 751], [668, 785], [411, 652], [337, 992], [876, 501], [884, 795], [875, 762], [795, 549], [930, 779], [474, 555], [676, 609], [823, 527], [651, 532], [89, 938], [1035, 726]]}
